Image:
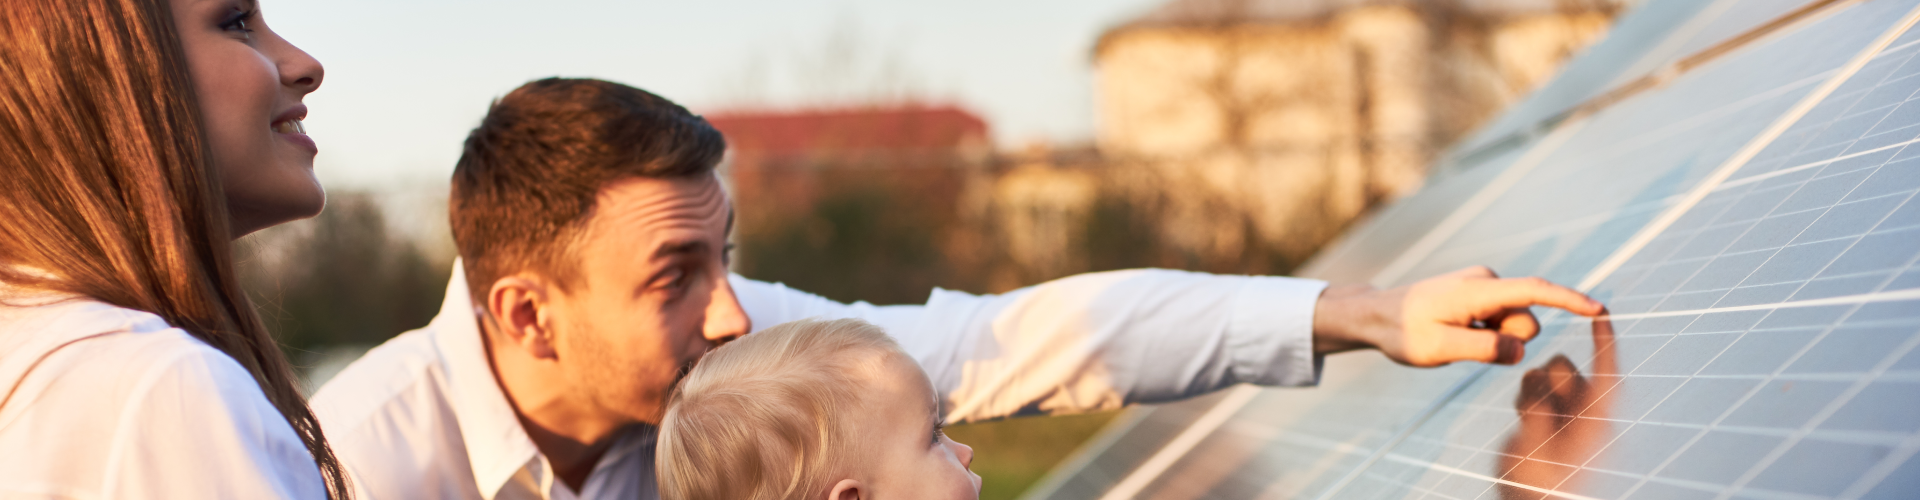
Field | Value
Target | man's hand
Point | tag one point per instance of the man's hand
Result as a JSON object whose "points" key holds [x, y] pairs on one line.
{"points": [[1465, 315]]}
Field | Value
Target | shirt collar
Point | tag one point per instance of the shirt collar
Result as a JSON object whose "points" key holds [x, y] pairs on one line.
{"points": [[497, 446]]}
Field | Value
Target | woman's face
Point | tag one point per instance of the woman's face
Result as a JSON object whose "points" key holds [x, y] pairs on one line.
{"points": [[249, 82]]}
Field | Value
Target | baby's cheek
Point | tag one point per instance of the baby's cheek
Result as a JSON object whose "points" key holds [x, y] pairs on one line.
{"points": [[969, 487], [959, 483]]}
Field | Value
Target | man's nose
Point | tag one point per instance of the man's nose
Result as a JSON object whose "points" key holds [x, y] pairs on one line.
{"points": [[726, 320]]}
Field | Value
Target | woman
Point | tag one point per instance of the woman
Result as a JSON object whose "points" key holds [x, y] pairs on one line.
{"points": [[137, 139]]}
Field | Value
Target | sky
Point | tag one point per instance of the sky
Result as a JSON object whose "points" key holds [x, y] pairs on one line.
{"points": [[406, 79]]}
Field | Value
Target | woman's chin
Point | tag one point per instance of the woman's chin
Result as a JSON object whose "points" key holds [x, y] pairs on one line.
{"points": [[303, 199], [251, 215]]}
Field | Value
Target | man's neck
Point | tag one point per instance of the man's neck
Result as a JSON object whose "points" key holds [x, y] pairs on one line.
{"points": [[563, 426], [572, 460]]}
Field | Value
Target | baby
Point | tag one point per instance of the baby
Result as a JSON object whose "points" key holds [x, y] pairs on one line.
{"points": [[810, 410]]}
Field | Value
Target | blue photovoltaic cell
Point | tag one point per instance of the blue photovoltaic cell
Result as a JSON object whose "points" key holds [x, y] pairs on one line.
{"points": [[1762, 343]]}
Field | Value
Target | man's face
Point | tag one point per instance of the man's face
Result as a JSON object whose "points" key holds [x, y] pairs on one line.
{"points": [[652, 294]]}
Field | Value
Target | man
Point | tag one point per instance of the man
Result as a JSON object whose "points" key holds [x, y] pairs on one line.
{"points": [[593, 234]]}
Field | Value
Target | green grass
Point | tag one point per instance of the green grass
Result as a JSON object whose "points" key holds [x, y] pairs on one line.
{"points": [[1011, 455]]}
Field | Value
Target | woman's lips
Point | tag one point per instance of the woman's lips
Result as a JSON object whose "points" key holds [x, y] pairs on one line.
{"points": [[287, 125], [294, 132]]}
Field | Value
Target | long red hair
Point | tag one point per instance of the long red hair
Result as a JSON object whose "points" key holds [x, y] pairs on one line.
{"points": [[105, 184]]}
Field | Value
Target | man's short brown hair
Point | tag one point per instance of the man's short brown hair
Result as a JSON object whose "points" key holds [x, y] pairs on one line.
{"points": [[532, 170]]}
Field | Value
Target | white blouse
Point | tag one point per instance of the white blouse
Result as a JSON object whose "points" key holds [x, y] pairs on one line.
{"points": [[98, 401]]}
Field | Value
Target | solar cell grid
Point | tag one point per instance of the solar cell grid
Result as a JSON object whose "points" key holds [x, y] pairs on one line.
{"points": [[1763, 343], [1751, 423], [1647, 43], [1628, 162]]}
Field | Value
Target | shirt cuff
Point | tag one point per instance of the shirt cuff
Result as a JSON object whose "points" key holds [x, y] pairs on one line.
{"points": [[1271, 333]]}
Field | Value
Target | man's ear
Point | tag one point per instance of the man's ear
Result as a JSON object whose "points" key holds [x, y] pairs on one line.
{"points": [[848, 489], [521, 310]]}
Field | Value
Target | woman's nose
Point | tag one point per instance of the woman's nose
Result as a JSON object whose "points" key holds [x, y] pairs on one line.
{"points": [[298, 69]]}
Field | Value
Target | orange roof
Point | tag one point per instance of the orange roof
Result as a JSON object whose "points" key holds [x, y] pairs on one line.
{"points": [[907, 128]]}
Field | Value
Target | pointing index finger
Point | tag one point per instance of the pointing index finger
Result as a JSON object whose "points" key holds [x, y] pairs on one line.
{"points": [[1514, 293]]}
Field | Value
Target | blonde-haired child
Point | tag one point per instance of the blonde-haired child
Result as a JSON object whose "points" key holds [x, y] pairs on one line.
{"points": [[810, 410]]}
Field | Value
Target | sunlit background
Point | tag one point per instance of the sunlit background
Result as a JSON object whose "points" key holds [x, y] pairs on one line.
{"points": [[882, 148]]}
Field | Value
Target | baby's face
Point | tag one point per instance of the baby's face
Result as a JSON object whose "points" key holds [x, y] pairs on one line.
{"points": [[908, 456]]}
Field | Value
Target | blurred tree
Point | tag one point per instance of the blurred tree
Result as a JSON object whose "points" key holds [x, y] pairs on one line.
{"points": [[342, 278], [862, 242]]}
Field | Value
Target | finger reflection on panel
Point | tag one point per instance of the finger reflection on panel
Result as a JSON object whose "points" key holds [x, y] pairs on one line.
{"points": [[1563, 420]]}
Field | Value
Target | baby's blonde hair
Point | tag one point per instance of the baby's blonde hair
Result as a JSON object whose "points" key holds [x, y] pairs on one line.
{"points": [[763, 417]]}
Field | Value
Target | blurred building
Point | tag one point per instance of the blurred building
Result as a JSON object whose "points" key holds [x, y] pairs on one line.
{"points": [[852, 203], [1037, 212], [783, 160], [1233, 136], [1270, 124], [906, 135]]}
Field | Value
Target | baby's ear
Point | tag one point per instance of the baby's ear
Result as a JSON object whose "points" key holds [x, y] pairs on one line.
{"points": [[848, 489]]}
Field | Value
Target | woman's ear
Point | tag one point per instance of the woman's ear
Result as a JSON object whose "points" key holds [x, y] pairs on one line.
{"points": [[848, 489]]}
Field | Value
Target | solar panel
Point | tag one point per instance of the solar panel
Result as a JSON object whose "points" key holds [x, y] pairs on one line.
{"points": [[1752, 223]]}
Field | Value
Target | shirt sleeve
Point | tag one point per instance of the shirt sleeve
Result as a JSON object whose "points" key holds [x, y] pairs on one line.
{"points": [[200, 427], [1090, 342]]}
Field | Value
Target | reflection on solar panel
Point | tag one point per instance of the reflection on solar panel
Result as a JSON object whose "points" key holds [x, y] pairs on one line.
{"points": [[1749, 216]]}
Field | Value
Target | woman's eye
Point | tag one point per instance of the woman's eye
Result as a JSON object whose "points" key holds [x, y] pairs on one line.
{"points": [[238, 22]]}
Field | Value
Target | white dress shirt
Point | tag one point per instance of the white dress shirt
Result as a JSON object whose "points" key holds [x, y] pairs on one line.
{"points": [[421, 416], [97, 401]]}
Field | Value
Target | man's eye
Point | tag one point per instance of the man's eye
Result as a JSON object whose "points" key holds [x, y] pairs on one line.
{"points": [[673, 280]]}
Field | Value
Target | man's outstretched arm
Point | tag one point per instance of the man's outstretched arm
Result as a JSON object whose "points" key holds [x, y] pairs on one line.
{"points": [[1101, 340]]}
